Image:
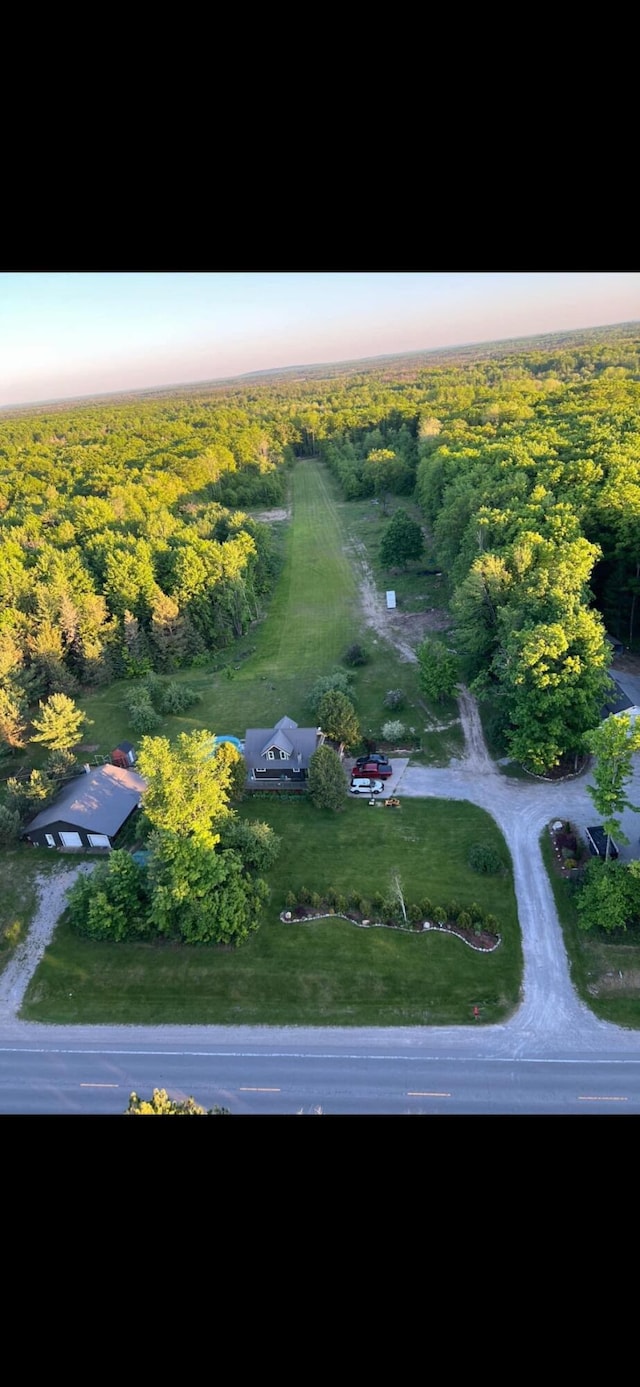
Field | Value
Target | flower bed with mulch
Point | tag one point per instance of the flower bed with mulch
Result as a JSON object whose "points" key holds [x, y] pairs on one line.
{"points": [[483, 943]]}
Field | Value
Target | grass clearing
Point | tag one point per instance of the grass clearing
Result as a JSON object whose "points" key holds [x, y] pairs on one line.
{"points": [[321, 973], [314, 615], [271, 670], [605, 969], [416, 591]]}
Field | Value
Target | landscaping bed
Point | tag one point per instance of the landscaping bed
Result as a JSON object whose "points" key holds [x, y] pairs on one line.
{"points": [[482, 940]]}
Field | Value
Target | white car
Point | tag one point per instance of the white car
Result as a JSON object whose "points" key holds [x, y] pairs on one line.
{"points": [[360, 786]]}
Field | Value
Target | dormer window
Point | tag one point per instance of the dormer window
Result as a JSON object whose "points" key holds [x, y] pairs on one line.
{"points": [[283, 756], [271, 756]]}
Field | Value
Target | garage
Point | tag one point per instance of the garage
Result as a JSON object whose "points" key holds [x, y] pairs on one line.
{"points": [[89, 811]]}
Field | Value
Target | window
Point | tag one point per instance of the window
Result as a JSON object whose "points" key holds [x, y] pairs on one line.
{"points": [[270, 756], [283, 756]]}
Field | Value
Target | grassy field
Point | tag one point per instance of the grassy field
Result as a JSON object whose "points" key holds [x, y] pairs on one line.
{"points": [[605, 969], [313, 616], [320, 973]]}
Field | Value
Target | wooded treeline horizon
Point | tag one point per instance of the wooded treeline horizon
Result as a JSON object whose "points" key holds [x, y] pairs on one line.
{"points": [[126, 547]]}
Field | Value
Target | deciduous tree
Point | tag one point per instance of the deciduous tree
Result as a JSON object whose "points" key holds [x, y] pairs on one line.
{"points": [[187, 788], [327, 785], [439, 672], [337, 718], [402, 541], [613, 744]]}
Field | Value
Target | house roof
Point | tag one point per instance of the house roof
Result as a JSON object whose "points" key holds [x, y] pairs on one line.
{"points": [[125, 746], [298, 742], [617, 701], [99, 802]]}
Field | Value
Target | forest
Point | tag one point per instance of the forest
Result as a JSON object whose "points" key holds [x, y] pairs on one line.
{"points": [[126, 547]]}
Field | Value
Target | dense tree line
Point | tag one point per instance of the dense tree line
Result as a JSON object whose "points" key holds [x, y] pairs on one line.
{"points": [[125, 546]]}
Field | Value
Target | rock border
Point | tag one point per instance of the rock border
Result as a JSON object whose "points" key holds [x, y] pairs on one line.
{"points": [[287, 918]]}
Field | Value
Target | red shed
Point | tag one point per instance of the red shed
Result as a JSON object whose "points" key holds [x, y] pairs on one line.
{"points": [[124, 755]]}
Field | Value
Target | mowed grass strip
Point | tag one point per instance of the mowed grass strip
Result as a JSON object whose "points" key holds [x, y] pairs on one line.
{"points": [[324, 973], [313, 615]]}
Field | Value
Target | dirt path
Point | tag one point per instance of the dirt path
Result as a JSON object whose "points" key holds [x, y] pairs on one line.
{"points": [[400, 629], [476, 757], [403, 630], [51, 891]]}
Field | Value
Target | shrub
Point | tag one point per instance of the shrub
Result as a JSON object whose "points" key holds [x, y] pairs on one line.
{"points": [[426, 907], [290, 900], [484, 859], [60, 764], [9, 824], [439, 914], [453, 910], [328, 683], [315, 901], [377, 902], [176, 698], [256, 842], [303, 895], [393, 731], [414, 912], [355, 900], [143, 717], [356, 654], [341, 905], [464, 919], [394, 699]]}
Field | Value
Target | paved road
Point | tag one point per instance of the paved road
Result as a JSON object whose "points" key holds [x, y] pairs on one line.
{"points": [[552, 1056]]}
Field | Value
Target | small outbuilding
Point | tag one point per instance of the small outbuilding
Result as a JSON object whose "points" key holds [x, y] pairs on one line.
{"points": [[89, 812], [124, 755], [391, 599]]}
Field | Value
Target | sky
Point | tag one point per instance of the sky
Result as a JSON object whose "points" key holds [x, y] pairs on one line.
{"points": [[64, 335]]}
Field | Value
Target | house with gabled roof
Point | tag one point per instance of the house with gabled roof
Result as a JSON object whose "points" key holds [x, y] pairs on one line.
{"points": [[279, 756]]}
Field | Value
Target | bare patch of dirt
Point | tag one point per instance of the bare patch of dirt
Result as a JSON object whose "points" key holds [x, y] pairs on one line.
{"points": [[403, 630], [618, 981], [268, 516]]}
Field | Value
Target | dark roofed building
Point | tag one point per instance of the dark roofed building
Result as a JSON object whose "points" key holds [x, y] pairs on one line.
{"points": [[89, 811], [617, 702], [280, 755]]}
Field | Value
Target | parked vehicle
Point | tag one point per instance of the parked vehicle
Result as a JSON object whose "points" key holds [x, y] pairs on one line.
{"points": [[364, 786], [376, 757], [376, 768], [597, 843]]}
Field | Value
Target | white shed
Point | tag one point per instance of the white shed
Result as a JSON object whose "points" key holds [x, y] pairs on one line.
{"points": [[391, 599]]}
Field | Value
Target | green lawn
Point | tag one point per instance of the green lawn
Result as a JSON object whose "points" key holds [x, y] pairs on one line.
{"points": [[313, 616], [322, 973], [605, 969], [309, 624]]}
